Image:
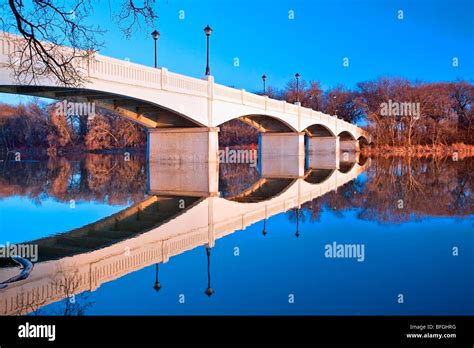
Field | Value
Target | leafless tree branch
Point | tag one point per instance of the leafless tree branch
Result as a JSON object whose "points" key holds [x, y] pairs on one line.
{"points": [[43, 28]]}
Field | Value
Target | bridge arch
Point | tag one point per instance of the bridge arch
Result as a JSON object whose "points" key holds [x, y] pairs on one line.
{"points": [[346, 167], [318, 176], [319, 130], [146, 113], [264, 123], [363, 141], [346, 135], [263, 190], [202, 102]]}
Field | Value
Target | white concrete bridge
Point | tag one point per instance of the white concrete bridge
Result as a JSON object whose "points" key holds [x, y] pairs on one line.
{"points": [[183, 113], [157, 229]]}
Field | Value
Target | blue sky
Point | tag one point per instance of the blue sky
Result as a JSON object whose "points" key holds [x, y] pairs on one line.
{"points": [[261, 35]]}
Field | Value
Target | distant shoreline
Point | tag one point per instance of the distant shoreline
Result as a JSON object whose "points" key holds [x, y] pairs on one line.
{"points": [[456, 151]]}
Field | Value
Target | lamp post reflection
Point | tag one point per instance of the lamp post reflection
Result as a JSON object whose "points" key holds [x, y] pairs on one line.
{"points": [[297, 234], [209, 291], [157, 285]]}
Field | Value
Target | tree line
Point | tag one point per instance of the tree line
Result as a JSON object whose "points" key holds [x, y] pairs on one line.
{"points": [[445, 115], [38, 126]]}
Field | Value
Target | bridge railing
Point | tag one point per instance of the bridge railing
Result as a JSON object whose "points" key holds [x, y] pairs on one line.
{"points": [[123, 71]]}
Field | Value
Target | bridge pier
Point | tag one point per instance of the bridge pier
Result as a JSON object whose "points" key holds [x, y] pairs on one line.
{"points": [[349, 145], [281, 155], [188, 145], [184, 179], [323, 152]]}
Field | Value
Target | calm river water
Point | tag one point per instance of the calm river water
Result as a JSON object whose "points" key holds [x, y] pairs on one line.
{"points": [[395, 239]]}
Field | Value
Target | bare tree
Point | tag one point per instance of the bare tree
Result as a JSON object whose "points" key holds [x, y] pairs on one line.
{"points": [[68, 282], [43, 27], [132, 16], [28, 303]]}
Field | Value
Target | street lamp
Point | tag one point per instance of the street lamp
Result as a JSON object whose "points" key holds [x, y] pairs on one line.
{"points": [[264, 231], [208, 31], [209, 291], [156, 35], [157, 285], [264, 79], [297, 87]]}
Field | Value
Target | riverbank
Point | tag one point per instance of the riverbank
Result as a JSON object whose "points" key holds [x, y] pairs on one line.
{"points": [[459, 151]]}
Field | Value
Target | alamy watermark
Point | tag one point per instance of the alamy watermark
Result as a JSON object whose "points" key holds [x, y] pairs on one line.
{"points": [[400, 109], [27, 251], [37, 331], [67, 108], [248, 156], [345, 251]]}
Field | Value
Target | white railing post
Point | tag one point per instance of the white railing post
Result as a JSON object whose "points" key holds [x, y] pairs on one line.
{"points": [[210, 87], [243, 96], [266, 102], [299, 117], [164, 78]]}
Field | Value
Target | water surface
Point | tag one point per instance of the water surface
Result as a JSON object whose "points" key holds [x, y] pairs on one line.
{"points": [[413, 219]]}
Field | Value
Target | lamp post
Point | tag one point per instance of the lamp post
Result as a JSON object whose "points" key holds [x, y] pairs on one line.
{"points": [[208, 31], [264, 79], [264, 231], [157, 285], [209, 291], [156, 35], [297, 76]]}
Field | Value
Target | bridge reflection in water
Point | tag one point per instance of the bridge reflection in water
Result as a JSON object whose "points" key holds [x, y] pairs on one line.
{"points": [[183, 211]]}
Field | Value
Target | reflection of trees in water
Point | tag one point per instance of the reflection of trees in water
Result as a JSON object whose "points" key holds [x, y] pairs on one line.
{"points": [[67, 285], [346, 197], [438, 187], [91, 177], [236, 178], [398, 190], [74, 303]]}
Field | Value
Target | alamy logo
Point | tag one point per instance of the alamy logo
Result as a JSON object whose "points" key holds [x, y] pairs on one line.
{"points": [[37, 331], [66, 108], [345, 251], [398, 109], [233, 156], [29, 251]]}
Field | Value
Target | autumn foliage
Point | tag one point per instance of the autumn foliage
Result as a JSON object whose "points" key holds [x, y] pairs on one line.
{"points": [[38, 126], [446, 109]]}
